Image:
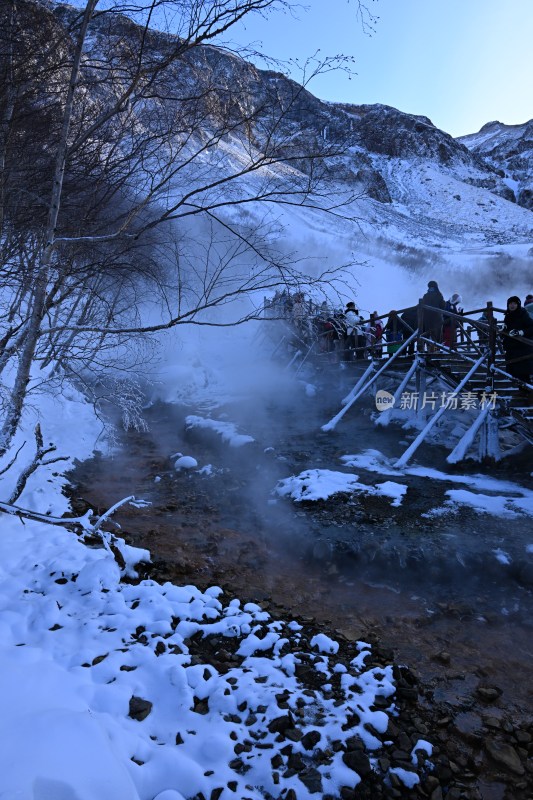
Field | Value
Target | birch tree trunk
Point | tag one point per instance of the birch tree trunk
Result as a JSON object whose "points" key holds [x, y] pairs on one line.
{"points": [[16, 402], [7, 116]]}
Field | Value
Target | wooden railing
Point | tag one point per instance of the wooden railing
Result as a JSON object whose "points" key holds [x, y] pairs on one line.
{"points": [[480, 336]]}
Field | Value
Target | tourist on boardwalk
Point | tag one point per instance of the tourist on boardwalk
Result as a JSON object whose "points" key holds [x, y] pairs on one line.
{"points": [[352, 322], [518, 323], [409, 320], [393, 332], [433, 302], [374, 336], [301, 318], [361, 337], [450, 324], [323, 329], [528, 305]]}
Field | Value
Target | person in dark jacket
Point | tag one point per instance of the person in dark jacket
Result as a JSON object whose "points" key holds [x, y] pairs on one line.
{"points": [[432, 317], [393, 333], [518, 323], [409, 321]]}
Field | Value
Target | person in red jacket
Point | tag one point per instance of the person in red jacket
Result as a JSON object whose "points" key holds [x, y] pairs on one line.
{"points": [[450, 324]]}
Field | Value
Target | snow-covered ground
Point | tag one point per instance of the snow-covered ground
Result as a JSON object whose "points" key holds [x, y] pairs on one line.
{"points": [[118, 688], [106, 695], [103, 698]]}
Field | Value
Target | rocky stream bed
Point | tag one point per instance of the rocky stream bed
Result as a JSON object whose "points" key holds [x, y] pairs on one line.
{"points": [[424, 591]]}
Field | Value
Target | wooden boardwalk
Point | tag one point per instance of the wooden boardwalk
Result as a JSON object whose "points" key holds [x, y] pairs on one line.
{"points": [[510, 397], [474, 367]]}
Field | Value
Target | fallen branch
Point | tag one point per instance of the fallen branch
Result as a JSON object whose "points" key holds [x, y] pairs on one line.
{"points": [[38, 461], [111, 511], [26, 513], [81, 525]]}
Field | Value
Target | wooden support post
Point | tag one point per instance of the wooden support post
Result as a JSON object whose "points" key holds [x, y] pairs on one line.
{"points": [[493, 332], [420, 384], [402, 461], [465, 442], [361, 382], [297, 354], [329, 426], [489, 445], [304, 359], [420, 324], [385, 416]]}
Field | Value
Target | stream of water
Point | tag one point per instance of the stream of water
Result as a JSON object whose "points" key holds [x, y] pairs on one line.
{"points": [[430, 587]]}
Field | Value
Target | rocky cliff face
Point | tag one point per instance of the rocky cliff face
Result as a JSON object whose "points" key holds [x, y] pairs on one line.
{"points": [[509, 149], [369, 137], [372, 135], [370, 148]]}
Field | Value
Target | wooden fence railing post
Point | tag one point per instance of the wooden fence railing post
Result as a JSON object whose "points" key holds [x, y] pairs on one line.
{"points": [[420, 324], [493, 330]]}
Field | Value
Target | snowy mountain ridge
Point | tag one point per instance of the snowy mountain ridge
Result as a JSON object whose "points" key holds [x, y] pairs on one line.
{"points": [[404, 192], [432, 185], [510, 149]]}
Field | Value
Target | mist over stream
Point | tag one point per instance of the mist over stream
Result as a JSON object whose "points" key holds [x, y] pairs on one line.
{"points": [[431, 587]]}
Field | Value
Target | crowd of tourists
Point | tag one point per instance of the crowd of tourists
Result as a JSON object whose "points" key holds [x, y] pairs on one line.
{"points": [[345, 335]]}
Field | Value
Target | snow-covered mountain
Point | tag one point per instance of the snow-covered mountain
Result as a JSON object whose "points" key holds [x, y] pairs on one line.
{"points": [[428, 182], [508, 148], [418, 197]]}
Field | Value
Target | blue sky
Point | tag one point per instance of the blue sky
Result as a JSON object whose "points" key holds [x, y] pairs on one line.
{"points": [[461, 63]]}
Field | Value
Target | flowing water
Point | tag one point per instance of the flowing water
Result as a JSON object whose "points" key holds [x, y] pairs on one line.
{"points": [[429, 587]]}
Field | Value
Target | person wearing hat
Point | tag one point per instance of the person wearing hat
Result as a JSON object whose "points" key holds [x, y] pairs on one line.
{"points": [[518, 353], [352, 322], [450, 324], [528, 305], [433, 306]]}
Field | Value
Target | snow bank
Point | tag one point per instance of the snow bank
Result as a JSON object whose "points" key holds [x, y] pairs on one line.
{"points": [[320, 484]]}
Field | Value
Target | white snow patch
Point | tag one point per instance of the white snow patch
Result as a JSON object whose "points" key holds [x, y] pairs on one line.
{"points": [[392, 489], [482, 503], [506, 499], [319, 484], [185, 462], [502, 556], [316, 484], [324, 644], [424, 746], [226, 430], [407, 777]]}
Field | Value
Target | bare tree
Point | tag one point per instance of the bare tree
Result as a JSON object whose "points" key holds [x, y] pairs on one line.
{"points": [[114, 139]]}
